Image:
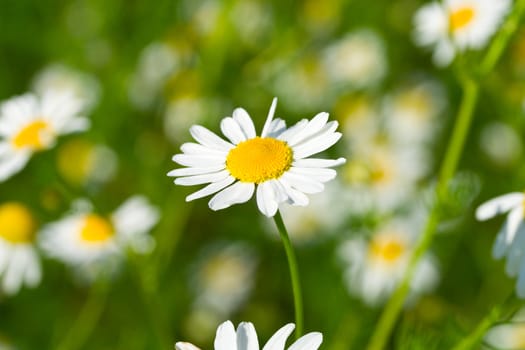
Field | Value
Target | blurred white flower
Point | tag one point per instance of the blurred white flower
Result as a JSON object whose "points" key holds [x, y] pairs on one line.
{"points": [[411, 113], [19, 262], [252, 31], [246, 339], [511, 238], [63, 79], [457, 25], [157, 62], [92, 243], [377, 265], [509, 335], [357, 60], [360, 118], [224, 278], [30, 123], [501, 143]]}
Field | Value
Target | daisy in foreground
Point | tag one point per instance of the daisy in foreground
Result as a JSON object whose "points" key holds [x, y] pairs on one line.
{"points": [[511, 238], [19, 263], [31, 123], [246, 339], [275, 164], [93, 243], [458, 25]]}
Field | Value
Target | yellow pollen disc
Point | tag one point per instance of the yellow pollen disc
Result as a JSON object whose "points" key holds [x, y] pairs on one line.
{"points": [[388, 250], [259, 159], [461, 18], [16, 223], [33, 136], [96, 229]]}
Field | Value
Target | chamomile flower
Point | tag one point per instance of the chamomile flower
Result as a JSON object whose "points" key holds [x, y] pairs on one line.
{"points": [[508, 335], [275, 164], [19, 263], [31, 123], [511, 238], [245, 338], [376, 266], [457, 25], [90, 242]]}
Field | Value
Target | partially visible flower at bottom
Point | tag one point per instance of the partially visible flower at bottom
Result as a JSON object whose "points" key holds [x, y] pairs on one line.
{"points": [[246, 339], [19, 262], [93, 243]]}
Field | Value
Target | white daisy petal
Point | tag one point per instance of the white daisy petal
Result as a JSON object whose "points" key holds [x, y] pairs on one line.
{"points": [[500, 247], [202, 179], [295, 197], [318, 163], [310, 341], [514, 220], [303, 183], [319, 174], [499, 205], [515, 254], [316, 145], [211, 189], [198, 149], [314, 126], [209, 139], [278, 340], [232, 130], [195, 171], [268, 123], [200, 161], [292, 131], [247, 337], [245, 122], [13, 163], [226, 338], [277, 127], [237, 193], [266, 201], [185, 346]]}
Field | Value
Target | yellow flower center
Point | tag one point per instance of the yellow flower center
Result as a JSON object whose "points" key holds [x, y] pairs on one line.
{"points": [[16, 223], [386, 249], [96, 229], [461, 18], [259, 159], [34, 135]]}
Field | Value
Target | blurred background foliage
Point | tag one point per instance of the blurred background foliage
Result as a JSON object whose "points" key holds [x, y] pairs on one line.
{"points": [[159, 67]]}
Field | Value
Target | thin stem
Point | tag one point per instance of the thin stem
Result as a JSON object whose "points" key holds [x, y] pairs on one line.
{"points": [[88, 318], [294, 274]]}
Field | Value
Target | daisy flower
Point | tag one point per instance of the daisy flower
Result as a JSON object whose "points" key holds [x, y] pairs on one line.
{"points": [[19, 263], [458, 25], [246, 339], [31, 123], [89, 241], [508, 335], [275, 164], [511, 238], [376, 266]]}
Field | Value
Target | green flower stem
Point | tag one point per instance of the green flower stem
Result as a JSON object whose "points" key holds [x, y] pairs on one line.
{"points": [[88, 317], [294, 274]]}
